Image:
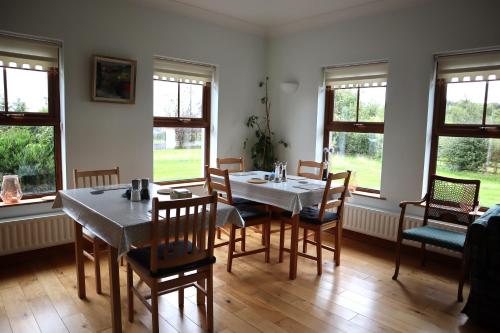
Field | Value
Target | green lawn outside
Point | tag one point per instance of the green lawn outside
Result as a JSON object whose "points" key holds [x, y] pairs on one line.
{"points": [[175, 164], [368, 173]]}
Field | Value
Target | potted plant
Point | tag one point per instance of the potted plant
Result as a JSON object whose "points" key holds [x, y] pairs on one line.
{"points": [[263, 150]]}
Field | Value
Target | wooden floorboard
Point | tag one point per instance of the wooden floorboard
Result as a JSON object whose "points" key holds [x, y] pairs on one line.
{"points": [[40, 295]]}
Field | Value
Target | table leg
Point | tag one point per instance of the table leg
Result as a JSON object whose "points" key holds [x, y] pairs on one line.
{"points": [[80, 269], [294, 244], [114, 286]]}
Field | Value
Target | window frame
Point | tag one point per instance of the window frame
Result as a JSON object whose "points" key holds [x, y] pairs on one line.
{"points": [[186, 122], [331, 125], [440, 128], [52, 118]]}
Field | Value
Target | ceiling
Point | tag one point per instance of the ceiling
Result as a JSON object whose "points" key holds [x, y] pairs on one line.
{"points": [[275, 16]]}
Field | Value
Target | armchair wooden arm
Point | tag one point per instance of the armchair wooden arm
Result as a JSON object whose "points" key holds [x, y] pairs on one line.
{"points": [[416, 203]]}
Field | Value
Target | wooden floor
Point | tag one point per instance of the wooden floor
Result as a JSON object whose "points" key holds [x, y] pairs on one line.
{"points": [[39, 295]]}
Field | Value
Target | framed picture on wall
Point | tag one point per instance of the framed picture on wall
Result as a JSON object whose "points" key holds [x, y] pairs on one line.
{"points": [[113, 80]]}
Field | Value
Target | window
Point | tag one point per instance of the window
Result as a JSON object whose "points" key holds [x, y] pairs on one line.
{"points": [[29, 114], [181, 134], [466, 128], [354, 121]]}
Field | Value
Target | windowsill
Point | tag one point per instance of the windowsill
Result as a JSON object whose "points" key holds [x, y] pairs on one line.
{"points": [[368, 195], [24, 202], [182, 183]]}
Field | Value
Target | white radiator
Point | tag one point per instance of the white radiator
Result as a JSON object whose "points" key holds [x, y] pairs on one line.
{"points": [[382, 224], [30, 233]]}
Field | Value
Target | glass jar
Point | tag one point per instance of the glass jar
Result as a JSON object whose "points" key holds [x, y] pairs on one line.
{"points": [[11, 189]]}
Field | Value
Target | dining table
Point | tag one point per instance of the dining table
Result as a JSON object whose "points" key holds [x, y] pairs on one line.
{"points": [[119, 223], [292, 195]]}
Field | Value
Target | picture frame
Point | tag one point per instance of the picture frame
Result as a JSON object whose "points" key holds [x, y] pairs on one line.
{"points": [[113, 80]]}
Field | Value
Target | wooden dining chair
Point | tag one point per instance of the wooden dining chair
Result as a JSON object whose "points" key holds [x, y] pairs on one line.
{"points": [[451, 202], [91, 178], [232, 164], [218, 180], [318, 174], [180, 255], [319, 220]]}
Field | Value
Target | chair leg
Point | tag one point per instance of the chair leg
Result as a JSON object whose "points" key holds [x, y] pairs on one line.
{"points": [[336, 254], [398, 258], [181, 294], [210, 300], [243, 239], [282, 241], [422, 255], [263, 239], [97, 267], [230, 252], [319, 257], [304, 241], [154, 307], [200, 296], [266, 229], [130, 294], [219, 236]]}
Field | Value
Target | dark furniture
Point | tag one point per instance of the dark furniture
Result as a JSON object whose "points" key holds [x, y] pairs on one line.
{"points": [[484, 250], [449, 201]]}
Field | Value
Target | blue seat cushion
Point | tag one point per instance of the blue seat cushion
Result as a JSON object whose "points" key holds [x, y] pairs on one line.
{"points": [[237, 201], [143, 257], [249, 212], [311, 215], [452, 240]]}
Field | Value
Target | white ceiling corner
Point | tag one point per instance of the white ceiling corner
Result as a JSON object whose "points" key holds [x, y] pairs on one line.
{"points": [[274, 17]]}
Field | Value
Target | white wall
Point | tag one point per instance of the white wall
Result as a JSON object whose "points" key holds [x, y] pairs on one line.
{"points": [[408, 39], [102, 135]]}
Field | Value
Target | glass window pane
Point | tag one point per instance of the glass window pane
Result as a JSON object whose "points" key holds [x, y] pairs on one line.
{"points": [[472, 158], [359, 152], [465, 102], [27, 90], [191, 100], [2, 98], [165, 98], [178, 153], [493, 107], [28, 151], [372, 104], [345, 101]]}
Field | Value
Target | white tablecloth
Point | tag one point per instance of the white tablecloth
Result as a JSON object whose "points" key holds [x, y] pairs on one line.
{"points": [[118, 221], [286, 195]]}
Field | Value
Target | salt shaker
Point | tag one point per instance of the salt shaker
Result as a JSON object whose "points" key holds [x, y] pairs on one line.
{"points": [[135, 194]]}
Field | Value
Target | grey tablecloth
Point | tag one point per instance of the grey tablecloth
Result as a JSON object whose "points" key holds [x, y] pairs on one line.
{"points": [[287, 195], [118, 221]]}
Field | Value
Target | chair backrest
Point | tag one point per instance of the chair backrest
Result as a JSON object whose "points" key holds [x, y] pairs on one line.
{"points": [[218, 180], [340, 191], [451, 200], [182, 227], [310, 164], [93, 178], [232, 164]]}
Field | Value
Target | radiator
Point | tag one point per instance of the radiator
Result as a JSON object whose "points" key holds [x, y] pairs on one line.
{"points": [[382, 224], [24, 234]]}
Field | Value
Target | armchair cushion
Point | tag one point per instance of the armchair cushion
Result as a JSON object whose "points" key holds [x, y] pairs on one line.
{"points": [[452, 240]]}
